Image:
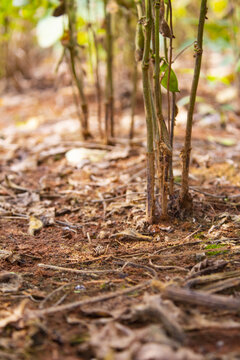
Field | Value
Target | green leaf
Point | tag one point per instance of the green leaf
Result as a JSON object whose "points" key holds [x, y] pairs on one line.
{"points": [[173, 83]]}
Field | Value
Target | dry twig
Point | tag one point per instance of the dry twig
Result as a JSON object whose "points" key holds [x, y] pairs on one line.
{"points": [[66, 307]]}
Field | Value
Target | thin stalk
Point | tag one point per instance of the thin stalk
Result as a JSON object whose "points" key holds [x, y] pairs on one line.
{"points": [[72, 47], [98, 85], [89, 25], [78, 81], [133, 99], [165, 150], [169, 63], [158, 99], [185, 198], [165, 39], [148, 112], [170, 123], [139, 36], [173, 117], [157, 88], [109, 105]]}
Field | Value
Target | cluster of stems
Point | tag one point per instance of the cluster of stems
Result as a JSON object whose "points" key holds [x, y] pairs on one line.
{"points": [[71, 46], [154, 49], [154, 22]]}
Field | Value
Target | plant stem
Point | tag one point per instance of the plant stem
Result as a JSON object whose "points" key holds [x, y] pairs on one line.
{"points": [[165, 39], [133, 99], [185, 198], [169, 64], [71, 11], [170, 120], [109, 107], [148, 112], [158, 97], [98, 85], [173, 116]]}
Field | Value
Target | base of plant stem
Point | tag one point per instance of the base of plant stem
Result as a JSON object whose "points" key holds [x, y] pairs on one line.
{"points": [[150, 206], [86, 135], [185, 203], [165, 217]]}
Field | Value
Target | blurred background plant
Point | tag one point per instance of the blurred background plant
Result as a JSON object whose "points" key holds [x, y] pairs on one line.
{"points": [[29, 33]]}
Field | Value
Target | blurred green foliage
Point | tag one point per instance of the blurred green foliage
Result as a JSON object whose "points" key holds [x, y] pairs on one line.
{"points": [[221, 30]]}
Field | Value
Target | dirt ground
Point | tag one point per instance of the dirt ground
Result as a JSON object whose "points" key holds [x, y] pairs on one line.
{"points": [[82, 274]]}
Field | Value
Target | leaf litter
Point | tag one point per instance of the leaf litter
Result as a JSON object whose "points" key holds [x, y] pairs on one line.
{"points": [[84, 276]]}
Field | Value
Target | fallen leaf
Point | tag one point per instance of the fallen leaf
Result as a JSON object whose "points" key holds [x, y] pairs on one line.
{"points": [[10, 282], [76, 156], [13, 315], [35, 225]]}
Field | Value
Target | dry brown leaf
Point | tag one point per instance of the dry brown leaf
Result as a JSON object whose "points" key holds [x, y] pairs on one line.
{"points": [[10, 282], [35, 225]]}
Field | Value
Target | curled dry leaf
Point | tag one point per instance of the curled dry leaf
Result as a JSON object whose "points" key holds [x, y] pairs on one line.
{"points": [[35, 225], [112, 336], [207, 266], [9, 256], [164, 29], [5, 254], [118, 153], [13, 315], [163, 312], [153, 351], [10, 282]]}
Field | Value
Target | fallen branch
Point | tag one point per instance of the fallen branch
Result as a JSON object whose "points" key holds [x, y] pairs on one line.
{"points": [[76, 271], [167, 267], [199, 298], [54, 309]]}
